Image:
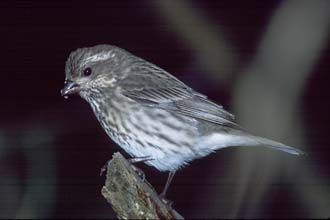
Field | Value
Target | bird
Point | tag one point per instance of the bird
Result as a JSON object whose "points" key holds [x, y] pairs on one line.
{"points": [[150, 113]]}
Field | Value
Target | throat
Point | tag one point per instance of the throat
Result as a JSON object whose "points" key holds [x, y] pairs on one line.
{"points": [[110, 112]]}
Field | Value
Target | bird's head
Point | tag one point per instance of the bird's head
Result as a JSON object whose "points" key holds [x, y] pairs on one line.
{"points": [[91, 68]]}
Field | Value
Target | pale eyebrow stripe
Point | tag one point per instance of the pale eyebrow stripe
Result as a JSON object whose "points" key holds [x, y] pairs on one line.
{"points": [[99, 57]]}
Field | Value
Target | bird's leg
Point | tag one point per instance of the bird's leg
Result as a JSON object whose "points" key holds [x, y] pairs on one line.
{"points": [[139, 159], [132, 161], [139, 172], [168, 182]]}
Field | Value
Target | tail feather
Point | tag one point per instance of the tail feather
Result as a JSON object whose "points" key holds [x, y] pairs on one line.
{"points": [[219, 141], [278, 146]]}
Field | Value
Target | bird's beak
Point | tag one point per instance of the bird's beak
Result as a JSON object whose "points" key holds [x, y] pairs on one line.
{"points": [[69, 88]]}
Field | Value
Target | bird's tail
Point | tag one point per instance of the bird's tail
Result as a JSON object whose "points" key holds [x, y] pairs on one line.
{"points": [[219, 141], [277, 145]]}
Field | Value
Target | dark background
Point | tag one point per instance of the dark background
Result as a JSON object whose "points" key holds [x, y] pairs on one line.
{"points": [[51, 149]]}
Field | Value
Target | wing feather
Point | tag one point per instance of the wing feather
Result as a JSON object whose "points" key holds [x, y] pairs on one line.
{"points": [[164, 91]]}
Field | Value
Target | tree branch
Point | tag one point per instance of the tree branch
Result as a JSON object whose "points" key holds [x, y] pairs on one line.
{"points": [[130, 196]]}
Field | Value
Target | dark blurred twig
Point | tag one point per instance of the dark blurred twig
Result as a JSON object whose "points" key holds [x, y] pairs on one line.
{"points": [[130, 196]]}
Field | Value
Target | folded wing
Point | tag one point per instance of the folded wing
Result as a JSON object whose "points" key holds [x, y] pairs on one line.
{"points": [[160, 90]]}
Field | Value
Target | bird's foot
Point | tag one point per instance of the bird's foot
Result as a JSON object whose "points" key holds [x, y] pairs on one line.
{"points": [[166, 201], [104, 168], [139, 172], [132, 161]]}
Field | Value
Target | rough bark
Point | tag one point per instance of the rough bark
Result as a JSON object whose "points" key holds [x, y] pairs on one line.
{"points": [[132, 197]]}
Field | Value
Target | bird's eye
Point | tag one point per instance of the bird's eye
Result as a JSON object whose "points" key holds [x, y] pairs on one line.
{"points": [[87, 71]]}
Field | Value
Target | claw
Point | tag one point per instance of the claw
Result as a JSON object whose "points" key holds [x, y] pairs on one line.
{"points": [[104, 168], [139, 172], [167, 202]]}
